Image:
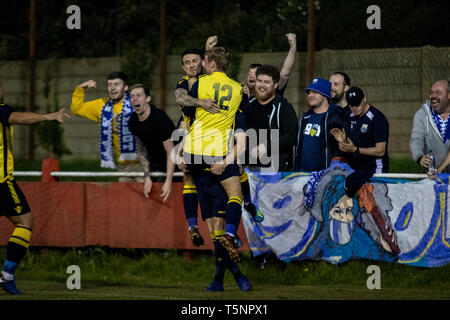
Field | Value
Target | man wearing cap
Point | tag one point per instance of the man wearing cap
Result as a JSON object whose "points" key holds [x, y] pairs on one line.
{"points": [[367, 143], [369, 132], [314, 141], [366, 152]]}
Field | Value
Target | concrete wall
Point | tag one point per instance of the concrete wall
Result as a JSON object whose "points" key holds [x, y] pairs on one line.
{"points": [[396, 81]]}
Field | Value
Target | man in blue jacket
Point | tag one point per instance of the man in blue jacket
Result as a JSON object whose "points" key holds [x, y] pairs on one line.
{"points": [[315, 144]]}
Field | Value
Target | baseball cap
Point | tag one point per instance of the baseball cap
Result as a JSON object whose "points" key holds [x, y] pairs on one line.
{"points": [[354, 96], [320, 85]]}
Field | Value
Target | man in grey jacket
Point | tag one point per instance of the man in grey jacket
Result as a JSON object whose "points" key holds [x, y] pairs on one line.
{"points": [[431, 127]]}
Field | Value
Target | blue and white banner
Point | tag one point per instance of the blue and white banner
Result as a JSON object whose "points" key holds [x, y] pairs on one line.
{"points": [[310, 217]]}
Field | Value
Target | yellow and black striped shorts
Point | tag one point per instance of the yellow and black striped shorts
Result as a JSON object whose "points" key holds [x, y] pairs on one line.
{"points": [[12, 199]]}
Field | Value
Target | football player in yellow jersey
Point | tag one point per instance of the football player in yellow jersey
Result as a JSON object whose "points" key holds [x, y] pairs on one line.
{"points": [[13, 203], [210, 140], [191, 61], [117, 144]]}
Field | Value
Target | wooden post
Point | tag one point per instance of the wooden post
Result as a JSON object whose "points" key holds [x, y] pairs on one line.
{"points": [[162, 58], [32, 75], [47, 167], [310, 44]]}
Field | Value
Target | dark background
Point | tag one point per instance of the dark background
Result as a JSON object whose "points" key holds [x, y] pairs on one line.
{"points": [[112, 28]]}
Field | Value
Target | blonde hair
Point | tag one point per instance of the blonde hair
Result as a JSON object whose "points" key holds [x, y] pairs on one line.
{"points": [[221, 56]]}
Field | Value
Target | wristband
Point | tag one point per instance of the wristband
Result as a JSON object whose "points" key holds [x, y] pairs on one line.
{"points": [[147, 174], [357, 150]]}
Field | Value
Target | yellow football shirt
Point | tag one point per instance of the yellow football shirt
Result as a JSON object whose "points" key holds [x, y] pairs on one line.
{"points": [[6, 156], [92, 110], [212, 134]]}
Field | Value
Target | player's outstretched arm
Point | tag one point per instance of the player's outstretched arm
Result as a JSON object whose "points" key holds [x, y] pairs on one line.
{"points": [[32, 117], [289, 61]]}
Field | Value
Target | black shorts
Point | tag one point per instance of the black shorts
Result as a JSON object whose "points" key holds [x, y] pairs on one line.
{"points": [[196, 166], [211, 195], [12, 199]]}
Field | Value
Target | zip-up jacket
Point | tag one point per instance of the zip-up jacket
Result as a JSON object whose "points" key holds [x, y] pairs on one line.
{"points": [[327, 145], [425, 136], [284, 118]]}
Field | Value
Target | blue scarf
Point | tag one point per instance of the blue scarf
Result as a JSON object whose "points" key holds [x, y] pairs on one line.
{"points": [[443, 126], [126, 138]]}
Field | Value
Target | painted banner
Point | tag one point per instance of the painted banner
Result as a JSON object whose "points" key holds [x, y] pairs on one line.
{"points": [[308, 216]]}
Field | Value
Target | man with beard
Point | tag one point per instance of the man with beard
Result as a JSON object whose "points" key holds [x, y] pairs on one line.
{"points": [[340, 83], [431, 129], [249, 88], [117, 144], [314, 141], [152, 129], [270, 112]]}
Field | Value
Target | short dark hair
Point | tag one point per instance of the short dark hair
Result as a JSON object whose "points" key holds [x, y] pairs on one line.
{"points": [[255, 65], [221, 56], [118, 75], [269, 70], [140, 85], [345, 76], [192, 51]]}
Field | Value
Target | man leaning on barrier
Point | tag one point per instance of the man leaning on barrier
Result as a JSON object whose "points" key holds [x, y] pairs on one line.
{"points": [[152, 129]]}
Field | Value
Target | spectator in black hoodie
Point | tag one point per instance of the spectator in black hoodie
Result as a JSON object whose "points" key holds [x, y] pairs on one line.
{"points": [[271, 148]]}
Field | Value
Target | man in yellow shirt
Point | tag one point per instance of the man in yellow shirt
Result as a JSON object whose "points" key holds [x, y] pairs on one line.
{"points": [[13, 203], [210, 142], [117, 143]]}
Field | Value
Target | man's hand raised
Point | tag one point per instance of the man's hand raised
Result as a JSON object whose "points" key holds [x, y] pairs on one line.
{"points": [[88, 84]]}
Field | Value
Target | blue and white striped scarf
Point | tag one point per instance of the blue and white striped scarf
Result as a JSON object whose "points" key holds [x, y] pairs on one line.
{"points": [[313, 181], [442, 125], [126, 138]]}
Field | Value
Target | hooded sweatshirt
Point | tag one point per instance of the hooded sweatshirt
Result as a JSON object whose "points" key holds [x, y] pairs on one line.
{"points": [[425, 136]]}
